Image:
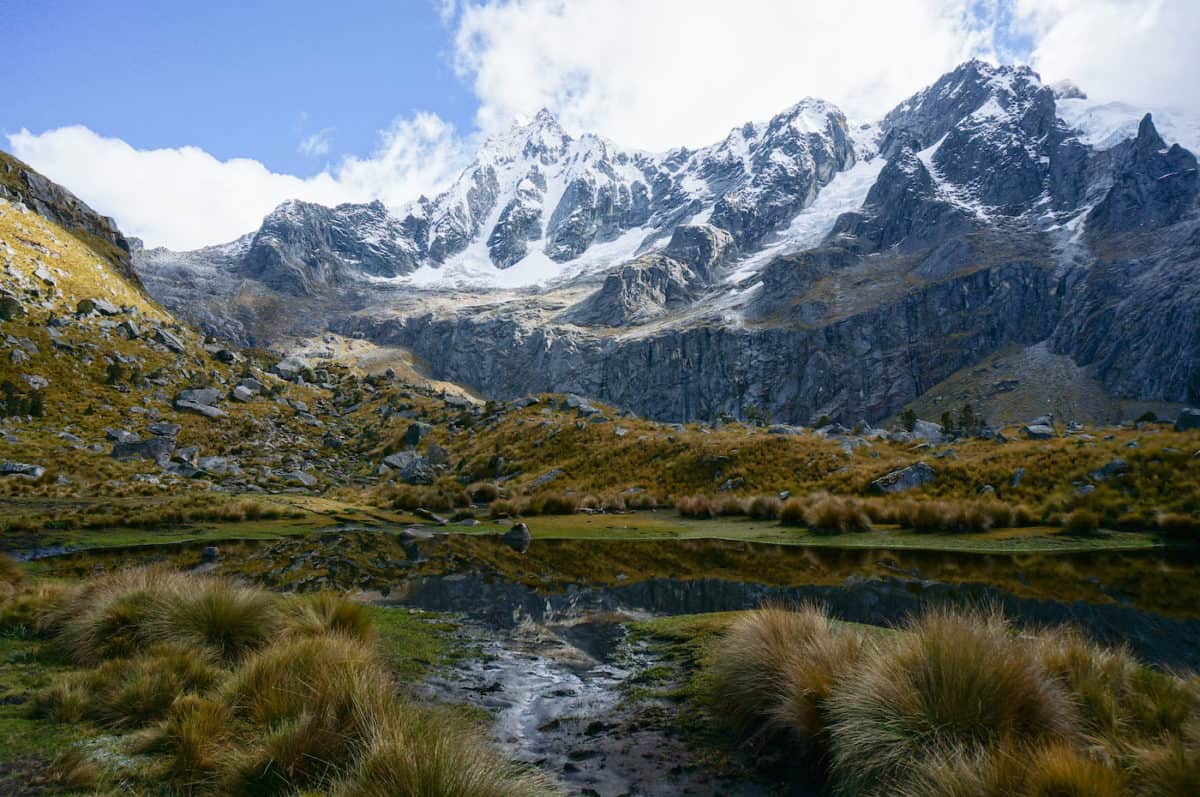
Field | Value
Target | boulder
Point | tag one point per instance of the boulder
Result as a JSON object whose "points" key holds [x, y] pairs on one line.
{"points": [[546, 478], [170, 341], [411, 467], [928, 431], [436, 454], [158, 449], [290, 368], [242, 394], [198, 408], [915, 475], [1188, 419], [300, 477], [203, 395], [189, 455], [1110, 470], [518, 538], [1017, 477], [1038, 431], [36, 382], [416, 433], [101, 306], [129, 330], [119, 435], [164, 429], [219, 466], [253, 385], [24, 469]]}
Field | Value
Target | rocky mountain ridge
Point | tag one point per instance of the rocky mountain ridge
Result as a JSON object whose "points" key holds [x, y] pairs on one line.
{"points": [[801, 267]]}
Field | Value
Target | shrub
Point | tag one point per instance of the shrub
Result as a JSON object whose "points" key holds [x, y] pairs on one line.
{"points": [[765, 507], [792, 513], [1082, 521], [834, 515], [953, 681]]}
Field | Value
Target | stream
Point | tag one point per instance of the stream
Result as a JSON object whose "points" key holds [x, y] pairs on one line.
{"points": [[555, 662]]}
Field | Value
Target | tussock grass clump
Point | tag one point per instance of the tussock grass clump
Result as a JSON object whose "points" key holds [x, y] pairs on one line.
{"points": [[194, 738], [23, 611], [71, 771], [1169, 768], [774, 668], [324, 612], [483, 492], [553, 504], [700, 507], [235, 690], [1082, 521], [764, 507], [10, 572], [508, 507], [107, 617], [1178, 524], [216, 614], [641, 500], [793, 512], [417, 753], [831, 514], [315, 697], [952, 681], [136, 691]]}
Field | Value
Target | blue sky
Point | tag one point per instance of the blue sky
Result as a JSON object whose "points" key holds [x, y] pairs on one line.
{"points": [[188, 122], [235, 78]]}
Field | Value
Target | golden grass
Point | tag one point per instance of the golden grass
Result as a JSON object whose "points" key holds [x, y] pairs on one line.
{"points": [[953, 681], [255, 694], [957, 704]]}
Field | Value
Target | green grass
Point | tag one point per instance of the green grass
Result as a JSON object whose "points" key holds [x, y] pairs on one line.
{"points": [[414, 643], [27, 665], [666, 525]]}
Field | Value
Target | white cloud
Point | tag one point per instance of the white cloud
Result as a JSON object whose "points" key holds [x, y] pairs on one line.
{"points": [[647, 74], [1138, 51], [185, 198], [660, 74], [316, 144]]}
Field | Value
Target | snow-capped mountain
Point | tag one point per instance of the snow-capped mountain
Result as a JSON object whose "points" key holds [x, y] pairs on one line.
{"points": [[539, 201], [803, 265]]}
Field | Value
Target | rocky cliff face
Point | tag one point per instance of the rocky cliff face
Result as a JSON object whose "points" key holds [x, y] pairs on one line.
{"points": [[802, 266], [19, 183]]}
